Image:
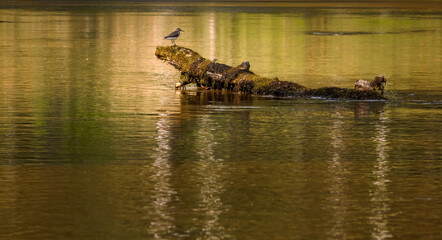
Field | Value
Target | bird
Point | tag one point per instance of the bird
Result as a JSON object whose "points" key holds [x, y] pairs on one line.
{"points": [[174, 35]]}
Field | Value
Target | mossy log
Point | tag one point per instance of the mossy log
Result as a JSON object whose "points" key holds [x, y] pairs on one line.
{"points": [[210, 74]]}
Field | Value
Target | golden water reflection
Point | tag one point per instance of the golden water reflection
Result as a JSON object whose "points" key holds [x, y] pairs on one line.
{"points": [[89, 116], [339, 200], [380, 193], [161, 220], [210, 170]]}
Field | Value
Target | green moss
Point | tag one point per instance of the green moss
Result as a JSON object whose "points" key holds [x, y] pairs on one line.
{"points": [[182, 58], [281, 88]]}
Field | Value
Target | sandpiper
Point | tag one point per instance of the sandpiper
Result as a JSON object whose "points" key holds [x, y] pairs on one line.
{"points": [[174, 35]]}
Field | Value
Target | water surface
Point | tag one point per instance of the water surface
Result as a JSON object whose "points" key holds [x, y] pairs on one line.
{"points": [[95, 143]]}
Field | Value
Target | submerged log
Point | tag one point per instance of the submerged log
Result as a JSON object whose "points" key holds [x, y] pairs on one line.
{"points": [[210, 74]]}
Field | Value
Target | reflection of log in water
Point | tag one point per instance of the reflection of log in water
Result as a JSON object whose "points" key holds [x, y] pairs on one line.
{"points": [[366, 109], [207, 73]]}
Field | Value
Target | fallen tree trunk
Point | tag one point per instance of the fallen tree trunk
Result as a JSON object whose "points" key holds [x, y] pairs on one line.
{"points": [[209, 74]]}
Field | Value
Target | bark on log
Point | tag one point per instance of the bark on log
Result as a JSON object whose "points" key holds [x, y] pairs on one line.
{"points": [[209, 74]]}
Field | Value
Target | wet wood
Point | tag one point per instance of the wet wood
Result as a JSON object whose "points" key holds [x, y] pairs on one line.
{"points": [[212, 75]]}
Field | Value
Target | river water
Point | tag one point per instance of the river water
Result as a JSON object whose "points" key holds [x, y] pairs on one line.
{"points": [[95, 143]]}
